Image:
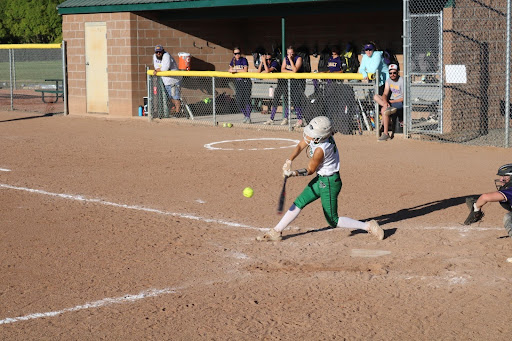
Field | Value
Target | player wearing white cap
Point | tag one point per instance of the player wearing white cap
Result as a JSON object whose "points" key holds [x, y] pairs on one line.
{"points": [[391, 101], [326, 185]]}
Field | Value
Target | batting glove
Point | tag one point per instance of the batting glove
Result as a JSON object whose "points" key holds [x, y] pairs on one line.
{"points": [[287, 173], [287, 167]]}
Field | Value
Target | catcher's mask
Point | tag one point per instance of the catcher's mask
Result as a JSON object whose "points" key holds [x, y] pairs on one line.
{"points": [[318, 129], [505, 170]]}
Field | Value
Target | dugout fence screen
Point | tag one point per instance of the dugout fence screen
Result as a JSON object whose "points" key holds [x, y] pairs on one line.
{"points": [[33, 77], [457, 71], [271, 101]]}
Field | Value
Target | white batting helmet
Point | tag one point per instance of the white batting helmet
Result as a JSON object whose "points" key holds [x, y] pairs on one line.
{"points": [[318, 129]]}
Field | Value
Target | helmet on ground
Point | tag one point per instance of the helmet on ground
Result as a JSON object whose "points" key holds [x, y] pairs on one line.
{"points": [[318, 129], [505, 170]]}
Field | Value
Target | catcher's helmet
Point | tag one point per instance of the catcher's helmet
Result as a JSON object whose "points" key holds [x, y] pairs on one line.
{"points": [[505, 170], [318, 129]]}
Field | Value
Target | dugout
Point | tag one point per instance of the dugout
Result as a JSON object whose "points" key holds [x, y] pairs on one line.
{"points": [[110, 43]]}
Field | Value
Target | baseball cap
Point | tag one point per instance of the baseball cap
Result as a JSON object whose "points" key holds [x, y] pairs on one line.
{"points": [[393, 67], [369, 47], [159, 48]]}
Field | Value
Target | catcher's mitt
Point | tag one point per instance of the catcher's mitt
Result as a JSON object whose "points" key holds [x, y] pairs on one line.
{"points": [[473, 216], [470, 201]]}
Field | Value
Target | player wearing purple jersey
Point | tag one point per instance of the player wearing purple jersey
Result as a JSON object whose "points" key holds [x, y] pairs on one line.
{"points": [[293, 64], [334, 64], [269, 65], [243, 86], [503, 195]]}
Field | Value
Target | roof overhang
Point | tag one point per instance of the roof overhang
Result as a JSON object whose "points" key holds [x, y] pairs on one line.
{"points": [[82, 7]]}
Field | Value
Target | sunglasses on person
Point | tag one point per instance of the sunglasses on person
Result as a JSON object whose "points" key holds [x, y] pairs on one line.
{"points": [[235, 53], [368, 49], [393, 73]]}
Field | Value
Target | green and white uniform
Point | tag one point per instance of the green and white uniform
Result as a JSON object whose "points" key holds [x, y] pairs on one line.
{"points": [[327, 183]]}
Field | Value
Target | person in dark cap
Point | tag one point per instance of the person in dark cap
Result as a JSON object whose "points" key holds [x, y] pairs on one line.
{"points": [[163, 61], [371, 62]]}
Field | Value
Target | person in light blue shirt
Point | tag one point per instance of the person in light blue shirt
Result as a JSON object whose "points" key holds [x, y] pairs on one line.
{"points": [[373, 61]]}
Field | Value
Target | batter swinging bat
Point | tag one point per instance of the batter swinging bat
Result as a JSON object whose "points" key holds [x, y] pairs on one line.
{"points": [[282, 196]]}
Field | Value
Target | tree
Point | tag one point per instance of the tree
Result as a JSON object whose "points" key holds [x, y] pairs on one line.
{"points": [[30, 21]]}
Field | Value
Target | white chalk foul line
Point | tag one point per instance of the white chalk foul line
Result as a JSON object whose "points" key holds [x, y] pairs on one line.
{"points": [[460, 228], [131, 207], [4, 170], [96, 304]]}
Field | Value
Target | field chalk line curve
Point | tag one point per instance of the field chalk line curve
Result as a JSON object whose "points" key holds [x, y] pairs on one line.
{"points": [[211, 145]]}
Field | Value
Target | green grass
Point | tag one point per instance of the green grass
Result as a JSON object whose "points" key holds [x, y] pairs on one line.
{"points": [[32, 72]]}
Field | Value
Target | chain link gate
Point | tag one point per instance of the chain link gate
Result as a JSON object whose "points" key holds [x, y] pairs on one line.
{"points": [[263, 100], [455, 55], [425, 69], [32, 77]]}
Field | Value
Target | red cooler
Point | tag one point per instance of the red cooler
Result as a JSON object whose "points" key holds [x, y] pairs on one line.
{"points": [[184, 61]]}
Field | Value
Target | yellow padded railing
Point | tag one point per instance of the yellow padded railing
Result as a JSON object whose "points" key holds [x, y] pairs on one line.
{"points": [[278, 75], [29, 46]]}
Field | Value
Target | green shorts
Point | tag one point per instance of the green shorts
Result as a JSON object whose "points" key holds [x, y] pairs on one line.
{"points": [[327, 188]]}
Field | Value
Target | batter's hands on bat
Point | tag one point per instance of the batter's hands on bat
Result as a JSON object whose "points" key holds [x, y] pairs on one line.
{"points": [[287, 167], [288, 173]]}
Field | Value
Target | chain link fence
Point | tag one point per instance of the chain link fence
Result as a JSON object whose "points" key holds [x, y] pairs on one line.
{"points": [[271, 101], [455, 69], [32, 78]]}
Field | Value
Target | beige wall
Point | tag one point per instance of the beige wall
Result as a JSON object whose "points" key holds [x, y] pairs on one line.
{"points": [[124, 78]]}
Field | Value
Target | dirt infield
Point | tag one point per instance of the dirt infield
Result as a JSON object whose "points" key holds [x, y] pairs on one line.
{"points": [[124, 229]]}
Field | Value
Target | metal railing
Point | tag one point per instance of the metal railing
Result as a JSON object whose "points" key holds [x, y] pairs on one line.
{"points": [[277, 101]]}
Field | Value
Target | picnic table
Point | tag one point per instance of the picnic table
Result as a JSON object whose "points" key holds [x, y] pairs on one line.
{"points": [[57, 92]]}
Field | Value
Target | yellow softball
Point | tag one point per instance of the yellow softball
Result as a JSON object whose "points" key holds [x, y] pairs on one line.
{"points": [[248, 192]]}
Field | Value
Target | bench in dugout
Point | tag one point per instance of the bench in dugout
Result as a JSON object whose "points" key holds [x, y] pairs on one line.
{"points": [[425, 102]]}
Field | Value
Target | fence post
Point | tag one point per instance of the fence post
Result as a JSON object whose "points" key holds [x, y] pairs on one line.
{"points": [[289, 106], [150, 100], [405, 62], [507, 78], [64, 78], [213, 102], [376, 105], [11, 78]]}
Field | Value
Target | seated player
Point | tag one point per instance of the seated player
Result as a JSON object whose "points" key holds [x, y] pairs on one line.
{"points": [[391, 101]]}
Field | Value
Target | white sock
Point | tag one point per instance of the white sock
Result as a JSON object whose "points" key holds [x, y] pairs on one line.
{"points": [[350, 223], [288, 217]]}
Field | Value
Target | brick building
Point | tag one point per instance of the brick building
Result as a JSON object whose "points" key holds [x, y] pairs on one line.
{"points": [[110, 43]]}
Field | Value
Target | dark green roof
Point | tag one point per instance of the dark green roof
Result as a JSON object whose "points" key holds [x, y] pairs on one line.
{"points": [[109, 6]]}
